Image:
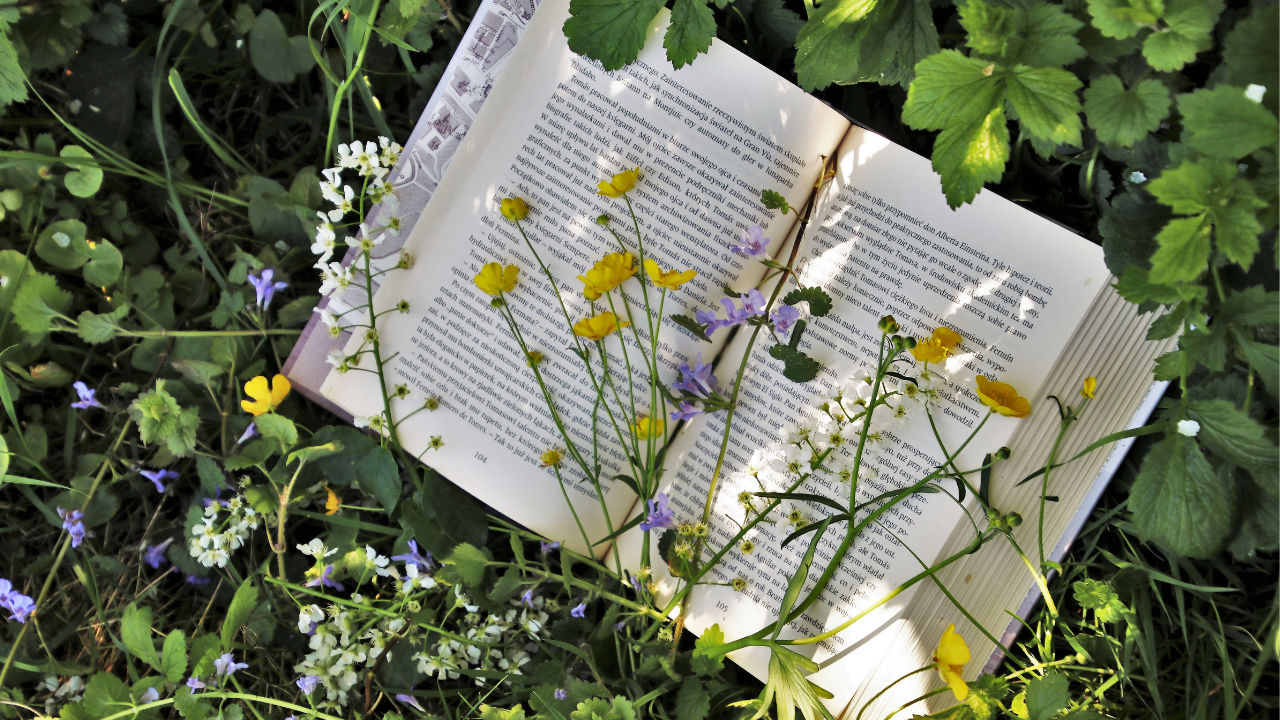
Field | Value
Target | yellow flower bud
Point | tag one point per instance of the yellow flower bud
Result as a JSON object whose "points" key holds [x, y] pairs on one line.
{"points": [[1090, 387], [514, 208]]}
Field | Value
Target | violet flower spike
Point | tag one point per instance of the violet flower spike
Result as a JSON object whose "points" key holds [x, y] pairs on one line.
{"points": [[708, 318], [226, 665], [424, 562], [197, 580], [324, 581], [194, 683], [686, 411], [697, 380], [307, 683], [561, 694], [251, 431], [659, 516], [410, 701], [86, 395], [526, 598], [73, 522], [754, 243], [15, 602], [150, 696], [579, 610], [154, 555], [784, 317], [265, 289], [549, 546], [754, 303], [157, 477]]}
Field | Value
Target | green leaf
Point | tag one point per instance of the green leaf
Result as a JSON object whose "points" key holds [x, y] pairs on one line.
{"points": [[445, 517], [161, 419], [776, 23], [818, 299], [188, 706], [1046, 101], [380, 477], [1171, 365], [1184, 250], [95, 328], [317, 452], [13, 82], [774, 201], [56, 244], [950, 85], [135, 631], [970, 153], [1100, 597], [37, 303], [1211, 189], [692, 702], [688, 323], [1123, 117], [797, 367], [173, 657], [986, 695], [1038, 34], [86, 179], [204, 649], [104, 262], [1232, 434], [470, 562], [278, 428], [611, 31], [1225, 124], [1251, 52], [1178, 500], [1129, 230], [241, 607], [103, 695], [1188, 32], [198, 371], [1251, 306], [703, 661], [690, 32], [270, 50], [1046, 696], [1122, 19], [850, 41]]}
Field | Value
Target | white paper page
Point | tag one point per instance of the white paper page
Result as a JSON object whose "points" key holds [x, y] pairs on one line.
{"points": [[884, 242], [707, 138]]}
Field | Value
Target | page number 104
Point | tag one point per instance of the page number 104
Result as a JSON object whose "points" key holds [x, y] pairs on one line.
{"points": [[482, 458]]}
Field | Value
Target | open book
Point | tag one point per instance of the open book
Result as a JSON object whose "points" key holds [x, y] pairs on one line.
{"points": [[1031, 300]]}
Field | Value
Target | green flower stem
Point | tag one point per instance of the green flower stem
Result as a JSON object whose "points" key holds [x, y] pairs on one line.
{"points": [[410, 464], [909, 703], [560, 481], [341, 92], [62, 553], [1044, 483], [886, 689], [1040, 579], [309, 712], [592, 588]]}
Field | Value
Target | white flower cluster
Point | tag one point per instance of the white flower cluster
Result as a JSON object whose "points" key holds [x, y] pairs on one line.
{"points": [[339, 649], [825, 442], [491, 643], [68, 691], [213, 540]]}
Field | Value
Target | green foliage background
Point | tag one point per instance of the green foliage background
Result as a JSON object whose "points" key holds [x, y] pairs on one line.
{"points": [[154, 154]]}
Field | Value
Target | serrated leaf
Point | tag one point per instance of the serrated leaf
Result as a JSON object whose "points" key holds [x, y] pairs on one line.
{"points": [[849, 41], [1212, 190], [819, 301], [1251, 53], [13, 82], [135, 631], [37, 303], [56, 244], [692, 28], [688, 323], [83, 180], [1184, 250], [204, 648], [1224, 124], [278, 428], [776, 23], [380, 477], [104, 262], [191, 707], [470, 563], [947, 85], [1046, 696], [173, 657], [1232, 434], [797, 367], [1178, 500], [1251, 306], [611, 31], [1122, 19], [692, 702], [1123, 117], [1189, 27], [1046, 101], [970, 153], [1170, 366], [95, 328], [1129, 228], [238, 612], [103, 695], [1038, 34]]}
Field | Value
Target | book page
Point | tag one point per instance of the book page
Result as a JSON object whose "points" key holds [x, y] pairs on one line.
{"points": [[707, 138], [882, 241]]}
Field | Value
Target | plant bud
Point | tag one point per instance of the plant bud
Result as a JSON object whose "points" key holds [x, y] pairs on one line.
{"points": [[888, 325], [1003, 453], [602, 219], [909, 343], [1013, 519]]}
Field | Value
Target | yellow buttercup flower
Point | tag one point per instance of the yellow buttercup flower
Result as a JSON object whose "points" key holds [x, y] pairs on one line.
{"points": [[1090, 387], [1002, 398], [495, 279], [332, 504], [514, 208], [669, 279], [649, 427], [552, 458], [607, 274], [265, 399], [599, 326], [937, 347], [621, 183], [951, 656]]}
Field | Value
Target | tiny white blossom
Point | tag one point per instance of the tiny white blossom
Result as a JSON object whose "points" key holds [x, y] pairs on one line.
{"points": [[1190, 428], [1255, 92]]}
